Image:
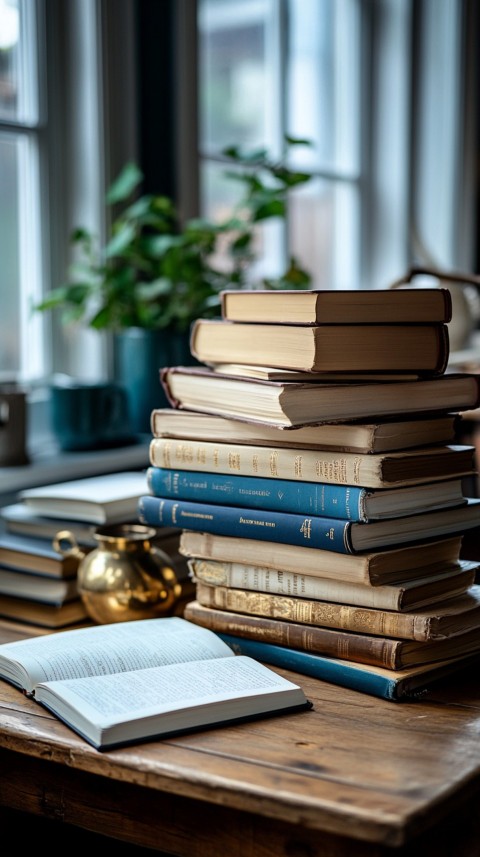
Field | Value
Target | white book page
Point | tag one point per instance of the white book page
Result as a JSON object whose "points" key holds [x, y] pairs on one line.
{"points": [[157, 692], [106, 649]]}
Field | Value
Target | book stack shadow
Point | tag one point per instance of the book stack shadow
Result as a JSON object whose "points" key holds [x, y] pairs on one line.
{"points": [[311, 462], [38, 573]]}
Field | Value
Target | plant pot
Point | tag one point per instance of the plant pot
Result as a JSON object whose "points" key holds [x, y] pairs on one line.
{"points": [[139, 355]]}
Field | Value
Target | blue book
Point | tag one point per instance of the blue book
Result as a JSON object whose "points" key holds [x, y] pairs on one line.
{"points": [[310, 531], [345, 502], [394, 685]]}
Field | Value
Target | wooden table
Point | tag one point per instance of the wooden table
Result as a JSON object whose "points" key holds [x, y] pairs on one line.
{"points": [[355, 776]]}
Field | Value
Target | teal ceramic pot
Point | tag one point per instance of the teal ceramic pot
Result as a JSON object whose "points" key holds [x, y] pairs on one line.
{"points": [[139, 355]]}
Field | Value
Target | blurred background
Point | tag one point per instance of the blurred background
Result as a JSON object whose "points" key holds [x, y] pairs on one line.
{"points": [[386, 91]]}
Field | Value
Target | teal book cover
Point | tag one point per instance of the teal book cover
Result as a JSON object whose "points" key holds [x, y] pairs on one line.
{"points": [[392, 685]]}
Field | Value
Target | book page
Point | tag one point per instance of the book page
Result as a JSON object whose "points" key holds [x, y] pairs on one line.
{"points": [[161, 689], [106, 649]]}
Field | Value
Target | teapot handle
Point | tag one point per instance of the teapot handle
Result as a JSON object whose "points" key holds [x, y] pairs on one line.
{"points": [[72, 548]]}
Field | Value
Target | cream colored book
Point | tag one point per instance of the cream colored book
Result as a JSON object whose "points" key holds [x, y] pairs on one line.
{"points": [[377, 470], [411, 595], [324, 348], [357, 437], [328, 614], [288, 404], [370, 568], [337, 306]]}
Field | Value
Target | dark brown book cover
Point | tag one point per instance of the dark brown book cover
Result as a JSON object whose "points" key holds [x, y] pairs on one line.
{"points": [[391, 653]]}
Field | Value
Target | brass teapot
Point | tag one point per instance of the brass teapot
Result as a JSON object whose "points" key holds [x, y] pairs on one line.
{"points": [[125, 577]]}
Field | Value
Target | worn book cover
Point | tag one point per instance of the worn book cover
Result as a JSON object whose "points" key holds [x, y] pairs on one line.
{"points": [[290, 404], [440, 583], [331, 306], [395, 686], [377, 568], [384, 651], [374, 470], [330, 614]]}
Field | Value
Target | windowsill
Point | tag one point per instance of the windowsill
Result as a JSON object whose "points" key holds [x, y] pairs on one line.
{"points": [[53, 465]]}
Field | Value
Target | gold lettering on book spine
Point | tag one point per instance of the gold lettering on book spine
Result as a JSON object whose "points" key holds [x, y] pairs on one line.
{"points": [[274, 463], [234, 461], [332, 471]]}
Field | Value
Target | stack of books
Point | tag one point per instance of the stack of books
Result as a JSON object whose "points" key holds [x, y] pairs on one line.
{"points": [[312, 464], [38, 576]]}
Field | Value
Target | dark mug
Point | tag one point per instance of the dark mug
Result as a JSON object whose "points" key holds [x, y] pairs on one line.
{"points": [[88, 415]]}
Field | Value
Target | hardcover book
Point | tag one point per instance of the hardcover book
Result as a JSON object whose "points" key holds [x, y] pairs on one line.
{"points": [[374, 470], [134, 681], [358, 437], [349, 306], [107, 499], [310, 531], [50, 590], [287, 404], [329, 614], [422, 348], [388, 652], [305, 498], [394, 565], [24, 553], [395, 686], [443, 582], [41, 614]]}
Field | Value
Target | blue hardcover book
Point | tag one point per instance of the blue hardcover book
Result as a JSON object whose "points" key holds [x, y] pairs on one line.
{"points": [[345, 502], [283, 495], [393, 685], [310, 531]]}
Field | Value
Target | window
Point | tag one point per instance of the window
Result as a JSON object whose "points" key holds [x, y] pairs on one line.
{"points": [[358, 79], [267, 69], [22, 119]]}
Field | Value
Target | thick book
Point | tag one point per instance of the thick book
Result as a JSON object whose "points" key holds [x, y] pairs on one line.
{"points": [[377, 568], [38, 587], [358, 437], [446, 582], [288, 404], [43, 615], [388, 652], [311, 531], [305, 498], [331, 306], [24, 553], [107, 499], [422, 348], [395, 686], [127, 682], [374, 470], [330, 614]]}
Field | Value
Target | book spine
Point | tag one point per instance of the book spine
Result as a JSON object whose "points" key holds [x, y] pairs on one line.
{"points": [[283, 557], [238, 575], [283, 495], [326, 669], [321, 641], [327, 614], [364, 471], [265, 525]]}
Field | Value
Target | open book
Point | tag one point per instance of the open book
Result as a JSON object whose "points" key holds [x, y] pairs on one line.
{"points": [[128, 682]]}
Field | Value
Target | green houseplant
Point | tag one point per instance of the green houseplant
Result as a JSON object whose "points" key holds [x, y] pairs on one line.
{"points": [[155, 275]]}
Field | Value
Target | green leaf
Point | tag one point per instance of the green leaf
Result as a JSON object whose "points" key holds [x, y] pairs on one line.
{"points": [[120, 241], [297, 141], [124, 184]]}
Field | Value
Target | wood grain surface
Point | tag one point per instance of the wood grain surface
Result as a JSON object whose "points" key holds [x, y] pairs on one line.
{"points": [[355, 776]]}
